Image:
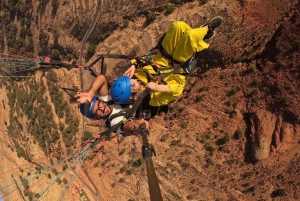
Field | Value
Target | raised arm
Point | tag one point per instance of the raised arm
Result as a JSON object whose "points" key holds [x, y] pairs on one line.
{"points": [[99, 86]]}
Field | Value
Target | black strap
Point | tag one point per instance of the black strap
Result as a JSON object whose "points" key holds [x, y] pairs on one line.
{"points": [[130, 113]]}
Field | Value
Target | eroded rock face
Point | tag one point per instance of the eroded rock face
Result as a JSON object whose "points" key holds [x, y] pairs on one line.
{"points": [[262, 127], [287, 133]]}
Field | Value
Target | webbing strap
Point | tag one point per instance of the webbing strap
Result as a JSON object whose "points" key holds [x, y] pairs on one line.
{"points": [[129, 114]]}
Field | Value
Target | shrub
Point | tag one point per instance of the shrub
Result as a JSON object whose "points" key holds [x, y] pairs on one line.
{"points": [[203, 2], [91, 50], [181, 109], [55, 54], [235, 89], [252, 67], [170, 9], [199, 98], [86, 135], [204, 88], [209, 147], [131, 171], [224, 148], [139, 162], [285, 99], [96, 164], [150, 17], [280, 192], [122, 152], [123, 169], [65, 181], [226, 139], [254, 189], [239, 134], [135, 49], [126, 22], [122, 180], [243, 2], [130, 162]]}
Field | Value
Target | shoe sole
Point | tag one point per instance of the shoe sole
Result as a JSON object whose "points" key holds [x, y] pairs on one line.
{"points": [[216, 18]]}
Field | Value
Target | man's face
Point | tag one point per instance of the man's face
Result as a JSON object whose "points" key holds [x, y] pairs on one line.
{"points": [[101, 110], [135, 85]]}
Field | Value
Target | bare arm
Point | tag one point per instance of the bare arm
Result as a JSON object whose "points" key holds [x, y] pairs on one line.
{"points": [[159, 88], [99, 85]]}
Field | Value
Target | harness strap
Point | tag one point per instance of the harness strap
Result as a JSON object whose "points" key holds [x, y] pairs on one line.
{"points": [[128, 112]]}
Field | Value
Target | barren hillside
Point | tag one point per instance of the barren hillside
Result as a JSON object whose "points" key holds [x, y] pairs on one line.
{"points": [[233, 135]]}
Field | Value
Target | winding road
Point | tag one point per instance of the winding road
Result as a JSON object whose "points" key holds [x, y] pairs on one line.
{"points": [[96, 194]]}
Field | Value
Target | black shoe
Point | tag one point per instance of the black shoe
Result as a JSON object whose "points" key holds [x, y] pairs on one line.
{"points": [[210, 34], [215, 22]]}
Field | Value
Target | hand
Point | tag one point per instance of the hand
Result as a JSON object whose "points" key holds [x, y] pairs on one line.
{"points": [[137, 130], [141, 121], [130, 71], [83, 98], [152, 86]]}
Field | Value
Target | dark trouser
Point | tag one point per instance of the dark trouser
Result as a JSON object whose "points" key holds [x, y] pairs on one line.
{"points": [[147, 111]]}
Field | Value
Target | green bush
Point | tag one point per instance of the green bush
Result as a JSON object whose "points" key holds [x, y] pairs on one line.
{"points": [[204, 88], [86, 135], [239, 134], [55, 54], [130, 162], [252, 67], [243, 2], [91, 50], [131, 171], [97, 164], [123, 169], [280, 192], [235, 89], [226, 139], [122, 180], [209, 147], [139, 162], [126, 22], [122, 151], [170, 9], [150, 17], [134, 50], [254, 189], [199, 98], [286, 99], [224, 148], [65, 181]]}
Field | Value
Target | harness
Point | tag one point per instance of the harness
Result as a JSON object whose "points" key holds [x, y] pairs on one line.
{"points": [[128, 114], [174, 66]]}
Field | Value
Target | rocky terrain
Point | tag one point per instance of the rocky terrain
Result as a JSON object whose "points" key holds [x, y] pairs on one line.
{"points": [[233, 135]]}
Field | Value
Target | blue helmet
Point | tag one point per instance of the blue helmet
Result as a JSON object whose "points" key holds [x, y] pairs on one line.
{"points": [[121, 90], [88, 111]]}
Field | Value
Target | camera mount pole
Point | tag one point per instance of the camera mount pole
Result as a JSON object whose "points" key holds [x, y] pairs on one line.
{"points": [[148, 151]]}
